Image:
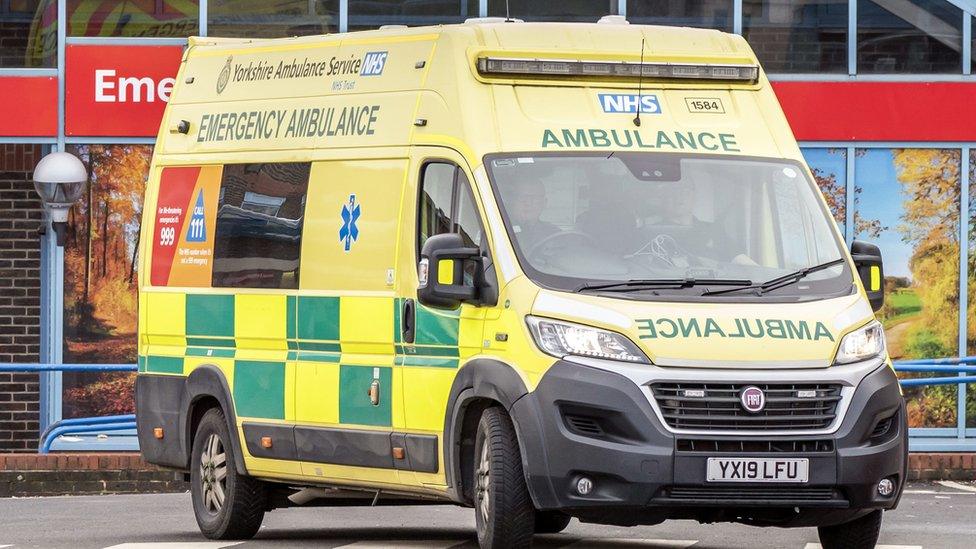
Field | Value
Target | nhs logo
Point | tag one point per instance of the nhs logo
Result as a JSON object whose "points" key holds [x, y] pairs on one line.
{"points": [[373, 63], [627, 103]]}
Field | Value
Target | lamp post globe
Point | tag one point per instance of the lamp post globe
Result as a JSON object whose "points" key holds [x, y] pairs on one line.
{"points": [[60, 179]]}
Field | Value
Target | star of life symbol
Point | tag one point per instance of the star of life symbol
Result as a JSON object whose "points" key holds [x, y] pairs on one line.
{"points": [[350, 214], [197, 229]]}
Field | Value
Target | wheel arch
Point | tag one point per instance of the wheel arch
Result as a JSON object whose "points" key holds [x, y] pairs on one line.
{"points": [[206, 387], [479, 384]]}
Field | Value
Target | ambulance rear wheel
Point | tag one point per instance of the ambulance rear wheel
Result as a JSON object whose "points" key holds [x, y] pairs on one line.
{"points": [[227, 505], [551, 522], [504, 513], [860, 533]]}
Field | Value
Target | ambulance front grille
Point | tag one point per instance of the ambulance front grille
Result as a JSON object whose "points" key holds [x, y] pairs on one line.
{"points": [[712, 494], [716, 406]]}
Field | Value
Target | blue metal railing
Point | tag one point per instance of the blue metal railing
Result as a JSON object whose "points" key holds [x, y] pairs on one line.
{"points": [[964, 365], [82, 424], [34, 367]]}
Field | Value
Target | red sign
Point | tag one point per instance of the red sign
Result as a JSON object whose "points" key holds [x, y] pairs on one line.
{"points": [[29, 107], [186, 213], [879, 111], [118, 90]]}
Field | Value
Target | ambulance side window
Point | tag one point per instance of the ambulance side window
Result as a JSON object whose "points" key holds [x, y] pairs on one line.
{"points": [[447, 205], [260, 214], [468, 223], [436, 192]]}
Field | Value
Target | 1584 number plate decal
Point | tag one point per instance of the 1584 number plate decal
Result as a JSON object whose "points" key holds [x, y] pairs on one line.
{"points": [[705, 105]]}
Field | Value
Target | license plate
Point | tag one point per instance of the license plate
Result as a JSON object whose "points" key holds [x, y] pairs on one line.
{"points": [[757, 470]]}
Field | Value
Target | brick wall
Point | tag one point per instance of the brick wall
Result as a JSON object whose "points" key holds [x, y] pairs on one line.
{"points": [[13, 42], [942, 466], [20, 290], [75, 474]]}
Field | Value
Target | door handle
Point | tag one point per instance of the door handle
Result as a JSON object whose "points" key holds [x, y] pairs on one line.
{"points": [[408, 320]]}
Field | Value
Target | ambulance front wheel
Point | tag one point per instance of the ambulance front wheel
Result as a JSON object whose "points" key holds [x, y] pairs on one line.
{"points": [[227, 505], [860, 533], [504, 513]]}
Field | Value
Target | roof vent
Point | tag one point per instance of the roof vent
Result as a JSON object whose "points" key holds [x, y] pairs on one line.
{"points": [[613, 20], [388, 27], [482, 20]]}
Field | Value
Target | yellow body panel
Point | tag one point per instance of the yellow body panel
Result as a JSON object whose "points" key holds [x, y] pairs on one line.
{"points": [[259, 322], [366, 111], [314, 407]]}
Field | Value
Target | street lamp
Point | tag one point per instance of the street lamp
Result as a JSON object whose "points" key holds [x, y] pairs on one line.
{"points": [[60, 179]]}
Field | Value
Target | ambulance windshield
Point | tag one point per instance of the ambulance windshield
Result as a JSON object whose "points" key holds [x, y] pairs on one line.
{"points": [[668, 224]]}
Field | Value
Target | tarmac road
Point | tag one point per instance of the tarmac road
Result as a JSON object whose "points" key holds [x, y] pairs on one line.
{"points": [[930, 516]]}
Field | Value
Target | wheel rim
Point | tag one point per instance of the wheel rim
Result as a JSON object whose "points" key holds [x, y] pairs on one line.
{"points": [[213, 474], [484, 482]]}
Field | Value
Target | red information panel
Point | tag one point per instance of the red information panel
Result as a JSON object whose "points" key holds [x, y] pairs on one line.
{"points": [[879, 111], [118, 90], [184, 229], [29, 107]]}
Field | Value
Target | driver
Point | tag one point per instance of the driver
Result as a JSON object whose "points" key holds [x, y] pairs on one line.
{"points": [[529, 201]]}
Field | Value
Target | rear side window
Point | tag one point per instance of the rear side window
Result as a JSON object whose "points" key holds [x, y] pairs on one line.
{"points": [[258, 236]]}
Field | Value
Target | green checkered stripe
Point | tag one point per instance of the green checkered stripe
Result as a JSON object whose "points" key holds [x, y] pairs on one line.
{"points": [[435, 338], [312, 336]]}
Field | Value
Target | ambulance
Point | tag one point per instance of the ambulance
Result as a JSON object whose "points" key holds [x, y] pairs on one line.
{"points": [[542, 270]]}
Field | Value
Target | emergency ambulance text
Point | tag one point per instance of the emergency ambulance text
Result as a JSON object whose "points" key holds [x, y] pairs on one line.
{"points": [[651, 328], [288, 123], [634, 139]]}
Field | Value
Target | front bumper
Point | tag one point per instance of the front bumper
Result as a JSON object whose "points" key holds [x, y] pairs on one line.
{"points": [[588, 421]]}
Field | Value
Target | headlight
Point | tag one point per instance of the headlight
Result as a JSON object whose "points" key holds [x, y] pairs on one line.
{"points": [[559, 339], [861, 344]]}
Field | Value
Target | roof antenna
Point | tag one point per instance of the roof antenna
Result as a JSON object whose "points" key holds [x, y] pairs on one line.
{"points": [[508, 18], [640, 79]]}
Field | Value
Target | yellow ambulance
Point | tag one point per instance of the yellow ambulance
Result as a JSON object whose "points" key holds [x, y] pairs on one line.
{"points": [[542, 270]]}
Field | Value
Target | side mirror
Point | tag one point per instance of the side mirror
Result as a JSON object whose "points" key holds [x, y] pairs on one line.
{"points": [[441, 272], [867, 260]]}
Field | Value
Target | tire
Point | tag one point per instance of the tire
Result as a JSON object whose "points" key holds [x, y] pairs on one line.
{"points": [[227, 505], [860, 533], [551, 522], [504, 513]]}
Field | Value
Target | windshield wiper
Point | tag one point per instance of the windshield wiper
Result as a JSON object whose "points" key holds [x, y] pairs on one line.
{"points": [[637, 285], [780, 281]]}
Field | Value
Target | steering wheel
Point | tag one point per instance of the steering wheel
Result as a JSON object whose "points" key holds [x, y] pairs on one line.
{"points": [[663, 247], [556, 236]]}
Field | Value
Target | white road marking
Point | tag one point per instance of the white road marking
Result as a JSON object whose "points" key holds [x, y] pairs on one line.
{"points": [[818, 546], [957, 486], [404, 544], [624, 543], [177, 545], [943, 493]]}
